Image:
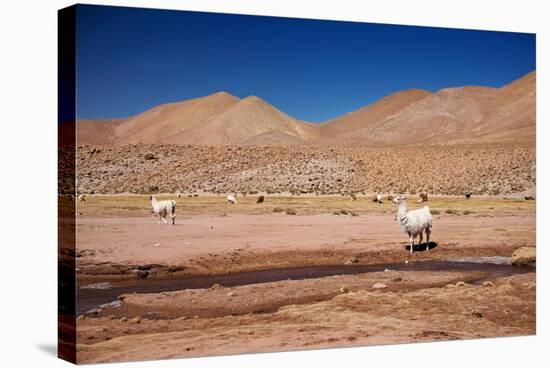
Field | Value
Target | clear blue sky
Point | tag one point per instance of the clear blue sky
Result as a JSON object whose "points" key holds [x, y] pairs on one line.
{"points": [[130, 59]]}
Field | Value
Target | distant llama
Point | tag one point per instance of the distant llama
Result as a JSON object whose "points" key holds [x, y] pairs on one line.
{"points": [[232, 199], [164, 208]]}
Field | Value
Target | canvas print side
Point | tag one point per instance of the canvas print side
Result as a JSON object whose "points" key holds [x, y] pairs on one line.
{"points": [[66, 185]]}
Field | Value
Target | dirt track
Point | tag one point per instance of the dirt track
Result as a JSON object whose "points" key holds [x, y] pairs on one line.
{"points": [[118, 238]]}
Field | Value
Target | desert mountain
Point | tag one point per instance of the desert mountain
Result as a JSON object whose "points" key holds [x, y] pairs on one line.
{"points": [[371, 116], [461, 114], [247, 121], [220, 118]]}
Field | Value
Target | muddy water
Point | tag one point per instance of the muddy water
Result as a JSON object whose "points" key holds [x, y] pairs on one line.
{"points": [[95, 295]]}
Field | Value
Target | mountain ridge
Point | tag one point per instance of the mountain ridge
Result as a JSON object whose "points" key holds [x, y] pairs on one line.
{"points": [[454, 114]]}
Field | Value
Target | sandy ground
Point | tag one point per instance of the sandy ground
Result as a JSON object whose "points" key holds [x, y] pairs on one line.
{"points": [[118, 238]]}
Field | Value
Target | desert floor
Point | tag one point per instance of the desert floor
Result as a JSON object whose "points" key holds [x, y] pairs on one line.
{"points": [[295, 273]]}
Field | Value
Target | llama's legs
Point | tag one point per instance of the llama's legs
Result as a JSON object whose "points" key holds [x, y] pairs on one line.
{"points": [[428, 231], [421, 238], [411, 240]]}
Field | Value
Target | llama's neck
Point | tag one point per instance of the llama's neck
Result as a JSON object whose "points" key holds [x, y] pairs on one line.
{"points": [[401, 211]]}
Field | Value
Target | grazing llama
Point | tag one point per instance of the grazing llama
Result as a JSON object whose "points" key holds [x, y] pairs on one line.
{"points": [[423, 197], [231, 199], [163, 208], [414, 222]]}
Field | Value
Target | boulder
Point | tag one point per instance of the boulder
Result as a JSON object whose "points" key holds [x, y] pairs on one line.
{"points": [[379, 285], [524, 256]]}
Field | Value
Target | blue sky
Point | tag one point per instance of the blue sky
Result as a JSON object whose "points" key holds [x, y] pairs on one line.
{"points": [[130, 59]]}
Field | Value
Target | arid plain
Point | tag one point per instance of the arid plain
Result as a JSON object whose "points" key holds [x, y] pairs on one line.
{"points": [[318, 263]]}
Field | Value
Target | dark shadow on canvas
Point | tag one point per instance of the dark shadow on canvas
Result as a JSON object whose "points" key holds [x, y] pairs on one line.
{"points": [[50, 349]]}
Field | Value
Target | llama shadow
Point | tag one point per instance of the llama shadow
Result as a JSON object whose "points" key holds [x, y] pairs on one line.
{"points": [[422, 247]]}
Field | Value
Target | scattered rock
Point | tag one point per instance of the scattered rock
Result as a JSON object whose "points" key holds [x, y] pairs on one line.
{"points": [[145, 267], [353, 260], [460, 283], [524, 256], [149, 156], [136, 320], [477, 313], [403, 302], [488, 284], [142, 274], [174, 268], [216, 287], [379, 285], [81, 317], [231, 293], [506, 289], [397, 279], [123, 319], [344, 289]]}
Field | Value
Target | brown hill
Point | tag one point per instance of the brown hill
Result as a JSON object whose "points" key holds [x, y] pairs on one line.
{"points": [[248, 121], [220, 118], [348, 127], [464, 114], [160, 123]]}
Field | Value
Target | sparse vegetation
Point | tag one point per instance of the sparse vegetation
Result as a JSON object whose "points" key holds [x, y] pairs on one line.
{"points": [[303, 170]]}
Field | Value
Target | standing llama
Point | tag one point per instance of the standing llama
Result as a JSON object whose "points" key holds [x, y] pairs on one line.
{"points": [[414, 222], [163, 208]]}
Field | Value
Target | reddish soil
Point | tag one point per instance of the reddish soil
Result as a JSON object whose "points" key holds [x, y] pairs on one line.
{"points": [[117, 238]]}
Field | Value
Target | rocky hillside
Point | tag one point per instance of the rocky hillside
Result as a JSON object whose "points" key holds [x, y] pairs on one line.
{"points": [[450, 169]]}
